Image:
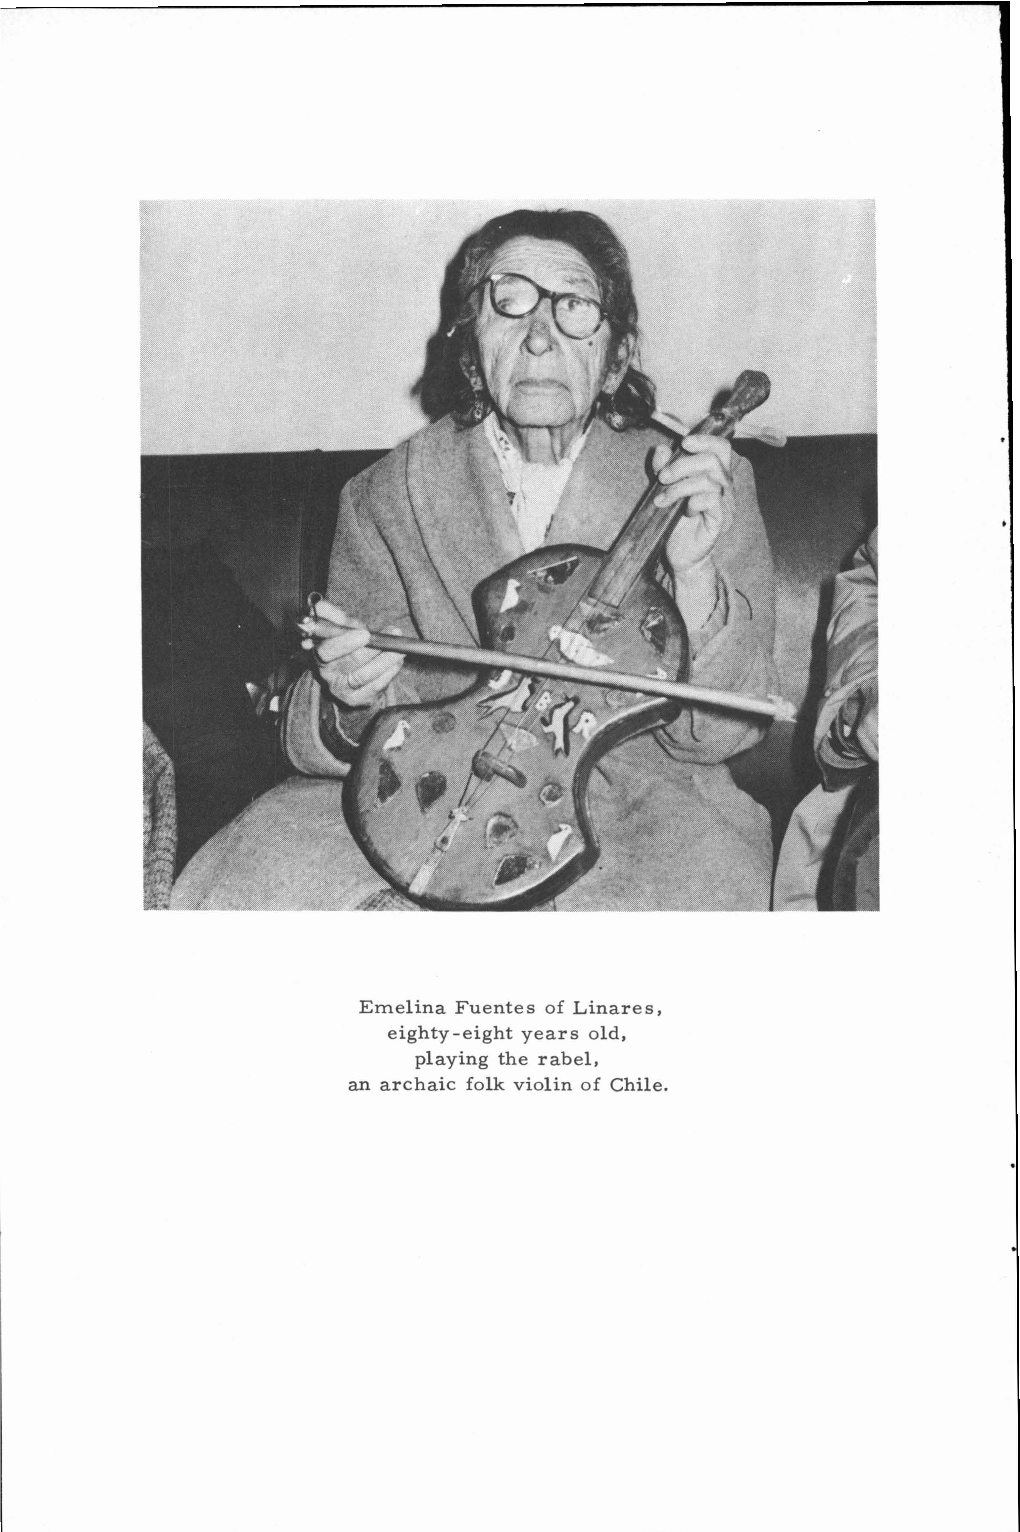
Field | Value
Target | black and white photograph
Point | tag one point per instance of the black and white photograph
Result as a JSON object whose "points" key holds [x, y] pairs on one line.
{"points": [[510, 430], [454, 437]]}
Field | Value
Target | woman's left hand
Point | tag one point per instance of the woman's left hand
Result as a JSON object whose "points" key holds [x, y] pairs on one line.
{"points": [[703, 476]]}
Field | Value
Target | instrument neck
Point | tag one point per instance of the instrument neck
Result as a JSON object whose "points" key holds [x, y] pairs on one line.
{"points": [[647, 529], [638, 543]]}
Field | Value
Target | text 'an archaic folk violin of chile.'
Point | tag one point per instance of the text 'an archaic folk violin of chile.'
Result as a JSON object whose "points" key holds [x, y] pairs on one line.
{"points": [[480, 801]]}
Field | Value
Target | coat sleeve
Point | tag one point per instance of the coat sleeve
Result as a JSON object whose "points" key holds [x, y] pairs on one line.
{"points": [[851, 680], [733, 650], [320, 735]]}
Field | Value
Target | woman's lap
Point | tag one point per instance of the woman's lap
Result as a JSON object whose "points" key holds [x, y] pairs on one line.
{"points": [[289, 850], [292, 850]]}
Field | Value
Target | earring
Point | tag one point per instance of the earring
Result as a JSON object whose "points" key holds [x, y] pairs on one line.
{"points": [[477, 388], [611, 415]]}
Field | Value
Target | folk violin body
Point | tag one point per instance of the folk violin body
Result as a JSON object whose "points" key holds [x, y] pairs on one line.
{"points": [[502, 769], [480, 802]]}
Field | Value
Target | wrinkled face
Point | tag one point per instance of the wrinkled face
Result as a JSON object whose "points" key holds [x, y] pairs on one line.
{"points": [[536, 376]]}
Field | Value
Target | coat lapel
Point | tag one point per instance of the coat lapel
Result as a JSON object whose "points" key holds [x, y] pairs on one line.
{"points": [[461, 508], [607, 481]]}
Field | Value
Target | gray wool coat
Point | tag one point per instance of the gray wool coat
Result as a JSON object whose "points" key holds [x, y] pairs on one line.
{"points": [[415, 534]]}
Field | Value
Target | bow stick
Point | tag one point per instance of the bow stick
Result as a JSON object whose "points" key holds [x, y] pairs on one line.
{"points": [[750, 390], [522, 664]]}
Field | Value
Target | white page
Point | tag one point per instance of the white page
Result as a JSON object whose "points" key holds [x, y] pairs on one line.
{"points": [[779, 1292]]}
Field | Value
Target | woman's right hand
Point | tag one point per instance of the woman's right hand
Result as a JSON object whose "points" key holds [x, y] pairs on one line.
{"points": [[352, 672]]}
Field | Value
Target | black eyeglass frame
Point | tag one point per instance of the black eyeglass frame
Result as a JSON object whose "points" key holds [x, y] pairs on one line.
{"points": [[543, 292]]}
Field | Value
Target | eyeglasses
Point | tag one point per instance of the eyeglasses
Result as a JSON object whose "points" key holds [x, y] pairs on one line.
{"points": [[515, 296]]}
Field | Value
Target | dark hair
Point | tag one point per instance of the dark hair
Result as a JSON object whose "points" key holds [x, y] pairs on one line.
{"points": [[443, 386]]}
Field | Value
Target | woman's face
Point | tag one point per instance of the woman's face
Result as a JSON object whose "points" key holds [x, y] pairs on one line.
{"points": [[536, 376]]}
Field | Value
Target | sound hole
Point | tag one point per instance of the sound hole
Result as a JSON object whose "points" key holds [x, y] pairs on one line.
{"points": [[500, 829], [513, 867], [389, 783], [556, 574], [429, 789]]}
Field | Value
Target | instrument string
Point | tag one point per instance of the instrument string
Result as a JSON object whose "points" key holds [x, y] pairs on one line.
{"points": [[475, 787]]}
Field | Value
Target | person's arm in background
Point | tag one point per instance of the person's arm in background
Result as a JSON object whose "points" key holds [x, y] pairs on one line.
{"points": [[846, 734]]}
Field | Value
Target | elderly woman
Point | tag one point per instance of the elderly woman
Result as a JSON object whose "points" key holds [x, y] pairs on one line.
{"points": [[542, 433]]}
